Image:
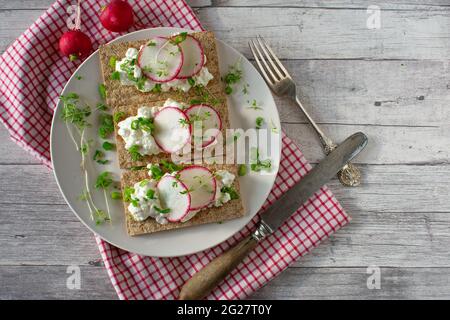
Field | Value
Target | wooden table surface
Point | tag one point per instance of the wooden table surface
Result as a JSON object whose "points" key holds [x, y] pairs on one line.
{"points": [[393, 83]]}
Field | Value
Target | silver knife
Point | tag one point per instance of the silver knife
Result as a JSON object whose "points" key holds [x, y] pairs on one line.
{"points": [[204, 281]]}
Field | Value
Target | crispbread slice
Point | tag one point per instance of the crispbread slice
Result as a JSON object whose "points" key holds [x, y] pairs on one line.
{"points": [[230, 210], [117, 94], [125, 161]]}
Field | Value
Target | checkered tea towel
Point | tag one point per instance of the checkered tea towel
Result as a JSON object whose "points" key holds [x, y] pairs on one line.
{"points": [[32, 75]]}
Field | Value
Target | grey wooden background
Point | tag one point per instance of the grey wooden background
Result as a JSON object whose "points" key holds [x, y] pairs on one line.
{"points": [[392, 83]]}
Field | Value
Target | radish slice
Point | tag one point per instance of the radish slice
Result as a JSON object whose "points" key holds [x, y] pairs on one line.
{"points": [[194, 57], [160, 60], [174, 195], [201, 185], [172, 130], [210, 119]]}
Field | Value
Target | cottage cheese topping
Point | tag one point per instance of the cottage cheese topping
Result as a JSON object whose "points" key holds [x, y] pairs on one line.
{"points": [[141, 138], [131, 74], [224, 179], [144, 200], [144, 139]]}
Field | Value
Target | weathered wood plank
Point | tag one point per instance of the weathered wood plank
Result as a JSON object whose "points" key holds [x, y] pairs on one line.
{"points": [[409, 93], [351, 4], [333, 34], [386, 229], [351, 283], [49, 282], [347, 4], [387, 144], [309, 33]]}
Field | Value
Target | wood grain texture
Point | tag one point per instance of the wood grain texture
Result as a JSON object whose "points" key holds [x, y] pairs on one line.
{"points": [[392, 83]]}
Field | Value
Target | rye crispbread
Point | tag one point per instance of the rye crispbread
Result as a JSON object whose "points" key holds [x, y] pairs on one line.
{"points": [[117, 94], [230, 210], [125, 160]]}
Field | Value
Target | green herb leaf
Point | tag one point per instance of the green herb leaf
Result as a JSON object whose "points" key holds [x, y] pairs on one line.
{"points": [[103, 180], [150, 194], [98, 155], [170, 166], [163, 211], [71, 113], [178, 38], [102, 91], [191, 81], [115, 75], [134, 152], [242, 170], [259, 122], [156, 172], [116, 195], [112, 62], [157, 88], [108, 146], [119, 115], [127, 193], [106, 125], [145, 124], [230, 190], [228, 90]]}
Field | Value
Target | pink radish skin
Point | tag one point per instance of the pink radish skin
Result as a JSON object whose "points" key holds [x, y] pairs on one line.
{"points": [[147, 58], [167, 124], [174, 195], [200, 198], [200, 109], [194, 57]]}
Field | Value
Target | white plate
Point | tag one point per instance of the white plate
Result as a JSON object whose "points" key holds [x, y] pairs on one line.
{"points": [[66, 161]]}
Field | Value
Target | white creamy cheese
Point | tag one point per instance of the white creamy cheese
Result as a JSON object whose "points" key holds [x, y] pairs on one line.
{"points": [[143, 139], [143, 207], [172, 103], [224, 179], [202, 78]]}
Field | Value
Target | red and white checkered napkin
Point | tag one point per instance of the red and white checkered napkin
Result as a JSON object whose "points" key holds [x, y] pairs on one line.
{"points": [[32, 75], [140, 277]]}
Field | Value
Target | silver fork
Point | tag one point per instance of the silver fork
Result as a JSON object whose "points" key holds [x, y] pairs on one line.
{"points": [[281, 83]]}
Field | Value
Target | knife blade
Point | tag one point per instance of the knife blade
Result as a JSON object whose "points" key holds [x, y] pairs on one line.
{"points": [[287, 204], [205, 280]]}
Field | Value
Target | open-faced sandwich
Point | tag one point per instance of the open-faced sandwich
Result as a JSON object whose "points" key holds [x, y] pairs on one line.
{"points": [[160, 90], [181, 67]]}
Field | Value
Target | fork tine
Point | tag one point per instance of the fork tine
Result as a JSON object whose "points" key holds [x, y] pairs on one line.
{"points": [[266, 77], [280, 65], [274, 66], [263, 59]]}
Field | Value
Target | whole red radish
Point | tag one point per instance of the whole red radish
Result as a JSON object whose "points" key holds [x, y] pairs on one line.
{"points": [[75, 45], [117, 16]]}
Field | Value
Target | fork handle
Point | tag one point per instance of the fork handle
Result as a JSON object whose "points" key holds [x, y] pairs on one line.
{"points": [[327, 143], [350, 175]]}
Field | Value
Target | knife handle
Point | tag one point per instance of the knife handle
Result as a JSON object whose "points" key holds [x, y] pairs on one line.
{"points": [[204, 281]]}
